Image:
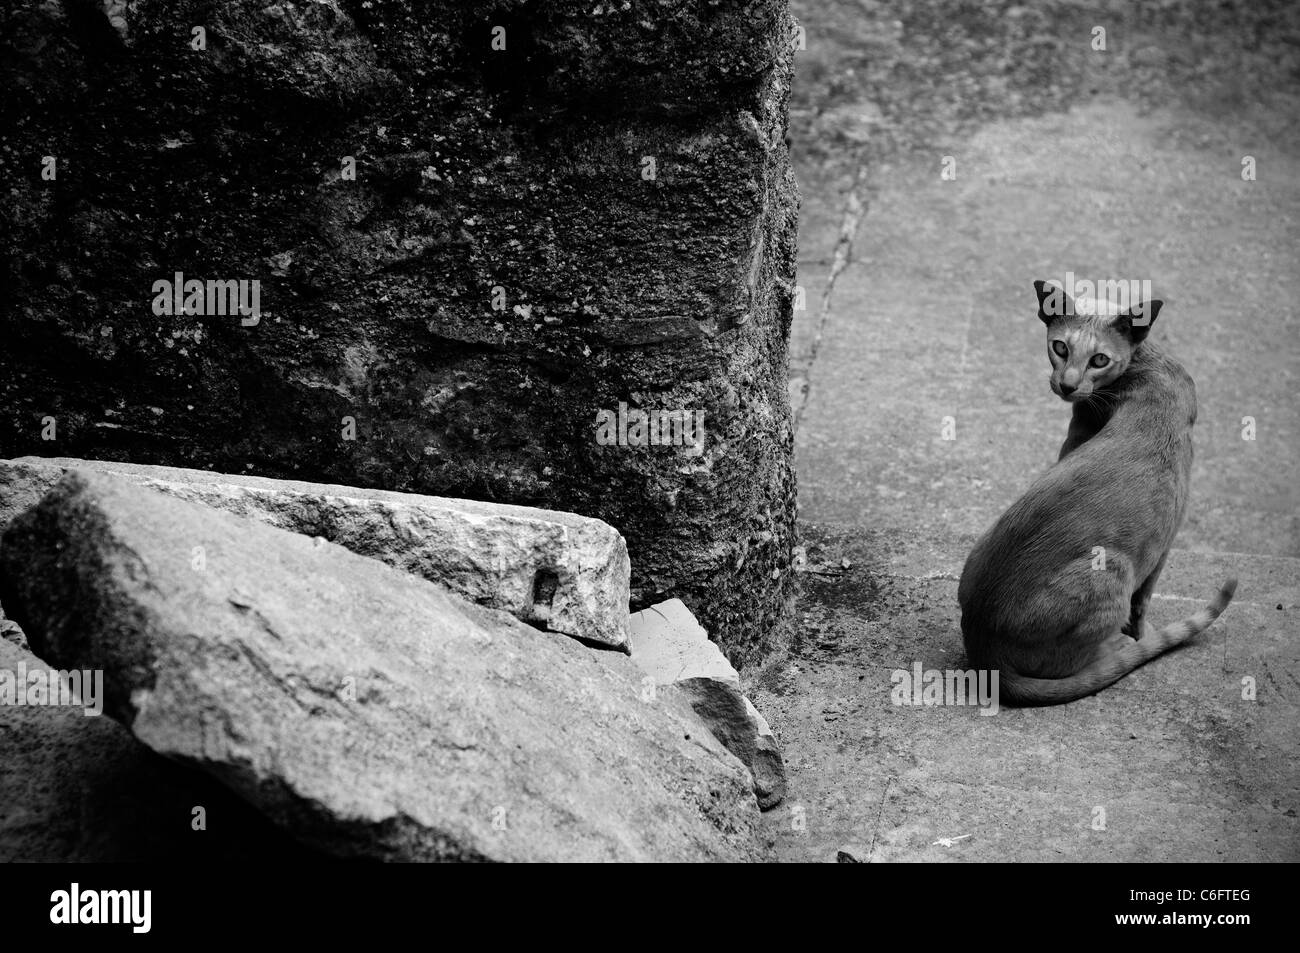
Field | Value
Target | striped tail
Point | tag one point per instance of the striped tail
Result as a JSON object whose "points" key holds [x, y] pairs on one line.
{"points": [[1021, 690]]}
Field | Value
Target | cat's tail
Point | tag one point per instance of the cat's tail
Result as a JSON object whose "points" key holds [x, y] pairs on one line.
{"points": [[1106, 670]]}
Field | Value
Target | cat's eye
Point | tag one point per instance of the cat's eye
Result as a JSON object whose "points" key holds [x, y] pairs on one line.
{"points": [[1099, 360], [1060, 349]]}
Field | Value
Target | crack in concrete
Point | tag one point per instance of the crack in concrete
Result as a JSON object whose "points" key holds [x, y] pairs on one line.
{"points": [[880, 812], [851, 216]]}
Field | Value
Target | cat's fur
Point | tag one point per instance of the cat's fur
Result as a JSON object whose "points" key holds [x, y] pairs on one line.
{"points": [[1033, 605]]}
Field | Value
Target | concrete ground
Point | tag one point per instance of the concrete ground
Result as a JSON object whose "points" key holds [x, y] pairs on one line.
{"points": [[921, 308]]}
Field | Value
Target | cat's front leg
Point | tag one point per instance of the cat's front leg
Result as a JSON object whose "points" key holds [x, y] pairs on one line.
{"points": [[1141, 599]]}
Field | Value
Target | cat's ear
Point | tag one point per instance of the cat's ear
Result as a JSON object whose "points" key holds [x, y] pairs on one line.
{"points": [[1052, 301], [1137, 320]]}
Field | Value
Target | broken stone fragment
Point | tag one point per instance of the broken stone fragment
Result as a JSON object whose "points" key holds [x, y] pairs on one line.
{"points": [[366, 711], [673, 649], [767, 767], [558, 571]]}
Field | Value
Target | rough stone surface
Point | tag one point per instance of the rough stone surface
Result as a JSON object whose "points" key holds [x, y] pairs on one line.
{"points": [[669, 644], [370, 713], [673, 649], [502, 267], [78, 789], [767, 766], [10, 632], [558, 571]]}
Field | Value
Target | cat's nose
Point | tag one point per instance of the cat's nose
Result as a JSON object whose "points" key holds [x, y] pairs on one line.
{"points": [[1066, 389]]}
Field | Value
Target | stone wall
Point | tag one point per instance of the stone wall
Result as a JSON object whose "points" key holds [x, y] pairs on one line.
{"points": [[464, 253]]}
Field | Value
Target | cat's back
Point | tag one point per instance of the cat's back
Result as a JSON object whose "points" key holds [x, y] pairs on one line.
{"points": [[1134, 473]]}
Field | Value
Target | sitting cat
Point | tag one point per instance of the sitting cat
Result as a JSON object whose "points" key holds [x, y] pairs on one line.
{"points": [[1054, 595]]}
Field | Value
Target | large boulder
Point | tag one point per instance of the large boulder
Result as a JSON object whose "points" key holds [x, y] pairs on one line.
{"points": [[475, 228], [370, 713], [557, 571]]}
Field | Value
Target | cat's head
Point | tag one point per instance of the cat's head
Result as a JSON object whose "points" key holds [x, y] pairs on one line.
{"points": [[1090, 342]]}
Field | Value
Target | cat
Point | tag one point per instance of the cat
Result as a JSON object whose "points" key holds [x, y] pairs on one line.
{"points": [[1055, 595]]}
